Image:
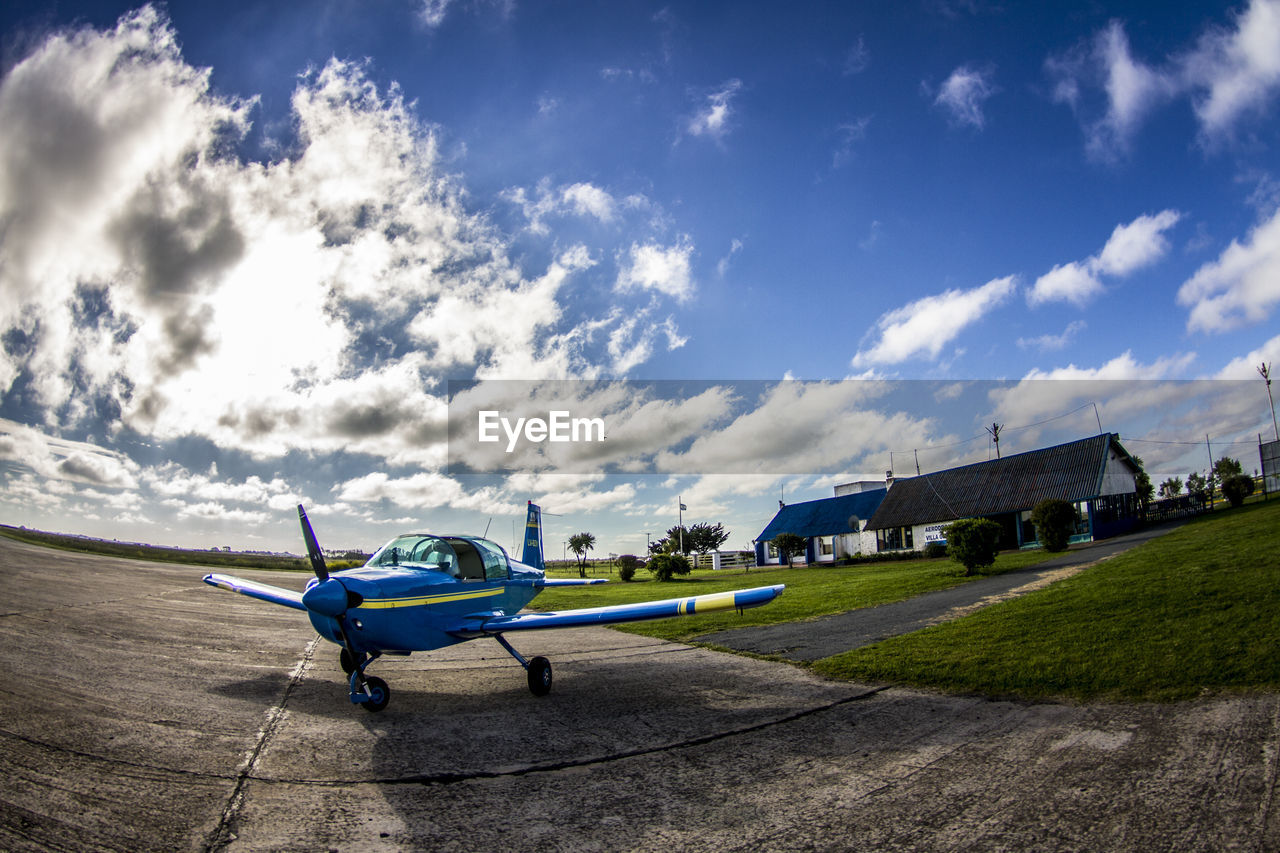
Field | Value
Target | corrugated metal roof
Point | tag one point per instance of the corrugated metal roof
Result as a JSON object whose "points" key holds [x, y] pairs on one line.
{"points": [[1072, 472], [823, 517]]}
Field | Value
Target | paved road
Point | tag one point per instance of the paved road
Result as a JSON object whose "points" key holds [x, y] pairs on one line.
{"points": [[830, 635], [143, 710]]}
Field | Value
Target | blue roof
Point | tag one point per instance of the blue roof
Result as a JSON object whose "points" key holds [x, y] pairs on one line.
{"points": [[824, 517]]}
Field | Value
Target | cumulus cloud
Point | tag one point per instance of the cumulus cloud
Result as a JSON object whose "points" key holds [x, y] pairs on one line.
{"points": [[651, 267], [1131, 247], [924, 327], [1241, 287], [155, 281], [963, 94]]}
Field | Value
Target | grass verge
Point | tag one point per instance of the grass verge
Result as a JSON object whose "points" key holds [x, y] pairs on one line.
{"points": [[1194, 610], [811, 591]]}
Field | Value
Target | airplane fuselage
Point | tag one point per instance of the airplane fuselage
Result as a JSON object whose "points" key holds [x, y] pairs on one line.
{"points": [[403, 609]]}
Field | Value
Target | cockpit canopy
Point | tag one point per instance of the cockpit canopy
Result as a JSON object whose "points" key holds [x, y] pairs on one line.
{"points": [[466, 558]]}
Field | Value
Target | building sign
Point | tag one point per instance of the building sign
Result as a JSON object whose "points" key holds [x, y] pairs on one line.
{"points": [[935, 533]]}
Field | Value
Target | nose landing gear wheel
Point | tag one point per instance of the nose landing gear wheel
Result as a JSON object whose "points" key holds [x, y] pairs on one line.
{"points": [[540, 676], [379, 694]]}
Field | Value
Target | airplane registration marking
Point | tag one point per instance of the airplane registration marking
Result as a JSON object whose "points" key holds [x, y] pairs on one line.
{"points": [[418, 601]]}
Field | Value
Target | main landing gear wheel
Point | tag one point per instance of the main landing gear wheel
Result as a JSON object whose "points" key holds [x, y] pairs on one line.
{"points": [[540, 676], [379, 694], [344, 660]]}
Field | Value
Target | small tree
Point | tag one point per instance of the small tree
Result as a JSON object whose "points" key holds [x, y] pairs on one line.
{"points": [[1236, 488], [580, 544], [665, 566], [1054, 520], [1198, 486], [1142, 484], [627, 565], [1171, 487], [704, 538], [789, 545], [973, 542]]}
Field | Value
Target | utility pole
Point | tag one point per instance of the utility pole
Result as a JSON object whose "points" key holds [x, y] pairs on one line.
{"points": [[994, 429], [1265, 371], [680, 500]]}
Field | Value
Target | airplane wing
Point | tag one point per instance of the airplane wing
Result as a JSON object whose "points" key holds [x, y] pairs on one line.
{"points": [[738, 599], [253, 589], [573, 581]]}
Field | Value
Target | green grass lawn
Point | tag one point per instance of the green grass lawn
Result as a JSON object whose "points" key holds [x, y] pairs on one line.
{"points": [[1197, 609], [811, 591]]}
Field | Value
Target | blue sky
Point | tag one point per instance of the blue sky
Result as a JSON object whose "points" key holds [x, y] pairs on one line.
{"points": [[244, 247]]}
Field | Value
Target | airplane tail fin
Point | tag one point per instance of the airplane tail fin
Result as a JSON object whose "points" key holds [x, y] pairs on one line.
{"points": [[532, 554]]}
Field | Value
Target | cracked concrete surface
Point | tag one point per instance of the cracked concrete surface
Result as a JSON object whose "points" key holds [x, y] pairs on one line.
{"points": [[141, 709]]}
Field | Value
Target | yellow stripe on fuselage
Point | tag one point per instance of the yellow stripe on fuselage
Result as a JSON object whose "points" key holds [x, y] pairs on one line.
{"points": [[706, 603], [420, 601]]}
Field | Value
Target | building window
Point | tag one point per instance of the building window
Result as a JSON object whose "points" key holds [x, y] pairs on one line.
{"points": [[894, 539], [826, 546]]}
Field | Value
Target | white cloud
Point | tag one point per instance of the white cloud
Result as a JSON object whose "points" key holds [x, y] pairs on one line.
{"points": [[1130, 248], [1231, 72], [1238, 69], [424, 490], [1071, 282], [432, 12], [1133, 89], [1138, 244], [713, 117], [1048, 343], [924, 327], [1240, 287], [64, 460], [1123, 366], [312, 303], [1246, 366], [579, 199], [652, 267], [722, 265], [963, 94]]}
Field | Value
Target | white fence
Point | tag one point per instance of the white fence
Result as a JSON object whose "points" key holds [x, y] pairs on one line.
{"points": [[725, 560]]}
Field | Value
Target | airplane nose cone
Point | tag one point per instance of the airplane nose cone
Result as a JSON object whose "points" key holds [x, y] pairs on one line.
{"points": [[328, 598]]}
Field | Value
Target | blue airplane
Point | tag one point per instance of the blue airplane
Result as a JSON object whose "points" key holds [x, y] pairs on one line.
{"points": [[421, 592]]}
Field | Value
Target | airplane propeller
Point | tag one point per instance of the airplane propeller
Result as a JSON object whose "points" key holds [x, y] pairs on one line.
{"points": [[328, 596]]}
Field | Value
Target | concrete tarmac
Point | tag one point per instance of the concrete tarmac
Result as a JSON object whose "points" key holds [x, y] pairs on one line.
{"points": [[143, 710]]}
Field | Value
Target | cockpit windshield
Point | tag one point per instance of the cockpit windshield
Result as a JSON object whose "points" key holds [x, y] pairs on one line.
{"points": [[463, 557], [419, 551]]}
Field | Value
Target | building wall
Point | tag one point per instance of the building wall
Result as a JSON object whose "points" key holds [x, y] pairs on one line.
{"points": [[1118, 478]]}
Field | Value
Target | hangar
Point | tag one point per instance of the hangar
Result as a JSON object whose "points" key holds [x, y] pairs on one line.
{"points": [[1095, 474]]}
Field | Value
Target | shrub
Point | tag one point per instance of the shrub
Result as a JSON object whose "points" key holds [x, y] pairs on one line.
{"points": [[1054, 520], [934, 550], [1236, 488], [665, 566], [973, 542], [627, 564]]}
